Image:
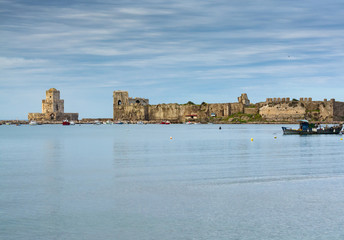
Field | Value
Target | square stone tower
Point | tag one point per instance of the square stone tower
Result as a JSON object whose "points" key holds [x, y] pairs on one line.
{"points": [[52, 102], [52, 109]]}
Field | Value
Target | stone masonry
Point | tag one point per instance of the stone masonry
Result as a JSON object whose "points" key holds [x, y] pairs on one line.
{"points": [[53, 109]]}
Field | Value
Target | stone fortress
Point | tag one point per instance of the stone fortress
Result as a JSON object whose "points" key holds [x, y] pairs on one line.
{"points": [[272, 110], [53, 109]]}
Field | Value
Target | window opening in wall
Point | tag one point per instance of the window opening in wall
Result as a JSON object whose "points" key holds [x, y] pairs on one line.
{"points": [[137, 101], [119, 102], [57, 107]]}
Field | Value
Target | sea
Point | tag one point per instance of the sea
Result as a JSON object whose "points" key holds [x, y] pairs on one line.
{"points": [[169, 182]]}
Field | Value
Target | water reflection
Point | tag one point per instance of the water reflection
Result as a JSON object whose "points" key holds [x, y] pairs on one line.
{"points": [[53, 149]]}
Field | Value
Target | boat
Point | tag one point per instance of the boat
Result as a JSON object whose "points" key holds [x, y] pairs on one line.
{"points": [[307, 128], [65, 123], [72, 123], [165, 122], [32, 123]]}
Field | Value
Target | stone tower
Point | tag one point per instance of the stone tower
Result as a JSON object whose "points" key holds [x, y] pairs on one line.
{"points": [[52, 109], [244, 99], [52, 102], [120, 98]]}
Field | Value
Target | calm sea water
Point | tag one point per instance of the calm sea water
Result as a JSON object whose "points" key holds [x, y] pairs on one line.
{"points": [[133, 182]]}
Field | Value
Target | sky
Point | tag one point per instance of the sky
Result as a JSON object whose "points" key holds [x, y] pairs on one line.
{"points": [[167, 51]]}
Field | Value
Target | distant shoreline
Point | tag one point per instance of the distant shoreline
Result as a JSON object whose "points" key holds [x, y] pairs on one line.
{"points": [[110, 121]]}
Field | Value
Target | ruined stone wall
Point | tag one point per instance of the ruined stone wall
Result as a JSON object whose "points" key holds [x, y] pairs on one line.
{"points": [[323, 111], [220, 109], [53, 116], [163, 112], [172, 112], [251, 110], [236, 108], [130, 113], [338, 111], [282, 112]]}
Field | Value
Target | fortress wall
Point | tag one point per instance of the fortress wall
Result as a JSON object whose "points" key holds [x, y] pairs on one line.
{"points": [[67, 116], [53, 116], [130, 113], [326, 111], [282, 112], [338, 111], [252, 111], [236, 108], [36, 116], [163, 112], [171, 112], [220, 109]]}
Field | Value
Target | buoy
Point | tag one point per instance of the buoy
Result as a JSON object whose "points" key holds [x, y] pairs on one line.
{"points": [[170, 137], [341, 139], [251, 139], [275, 137]]}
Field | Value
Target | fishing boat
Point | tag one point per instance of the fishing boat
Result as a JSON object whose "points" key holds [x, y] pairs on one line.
{"points": [[65, 123], [165, 122], [307, 128]]}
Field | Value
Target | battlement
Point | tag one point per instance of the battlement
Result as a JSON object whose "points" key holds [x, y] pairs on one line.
{"points": [[277, 100], [306, 100]]}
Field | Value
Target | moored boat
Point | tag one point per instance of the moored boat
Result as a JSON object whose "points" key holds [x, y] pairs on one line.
{"points": [[32, 123], [65, 123], [306, 129]]}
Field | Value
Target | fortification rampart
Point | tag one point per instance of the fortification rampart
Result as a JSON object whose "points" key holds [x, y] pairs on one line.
{"points": [[272, 110], [124, 110]]}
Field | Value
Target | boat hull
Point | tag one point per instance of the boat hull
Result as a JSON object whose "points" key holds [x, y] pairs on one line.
{"points": [[331, 130]]}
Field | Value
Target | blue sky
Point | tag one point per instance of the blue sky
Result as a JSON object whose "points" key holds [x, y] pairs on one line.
{"points": [[167, 51]]}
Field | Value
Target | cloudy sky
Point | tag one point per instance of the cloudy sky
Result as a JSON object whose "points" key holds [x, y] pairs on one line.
{"points": [[167, 51]]}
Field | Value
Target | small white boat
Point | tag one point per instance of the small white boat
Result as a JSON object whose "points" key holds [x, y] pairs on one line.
{"points": [[32, 123], [72, 123], [96, 122]]}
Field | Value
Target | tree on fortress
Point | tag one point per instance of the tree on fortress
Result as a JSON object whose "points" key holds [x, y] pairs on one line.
{"points": [[190, 103]]}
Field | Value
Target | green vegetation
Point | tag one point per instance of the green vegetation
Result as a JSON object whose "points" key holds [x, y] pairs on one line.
{"points": [[190, 103], [251, 106], [239, 118]]}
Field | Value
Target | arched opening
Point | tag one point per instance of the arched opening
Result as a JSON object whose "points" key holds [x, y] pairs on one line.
{"points": [[137, 101], [119, 102], [52, 116]]}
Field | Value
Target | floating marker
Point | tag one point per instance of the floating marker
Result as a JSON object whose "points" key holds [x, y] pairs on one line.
{"points": [[170, 137], [341, 139], [251, 139], [275, 137]]}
